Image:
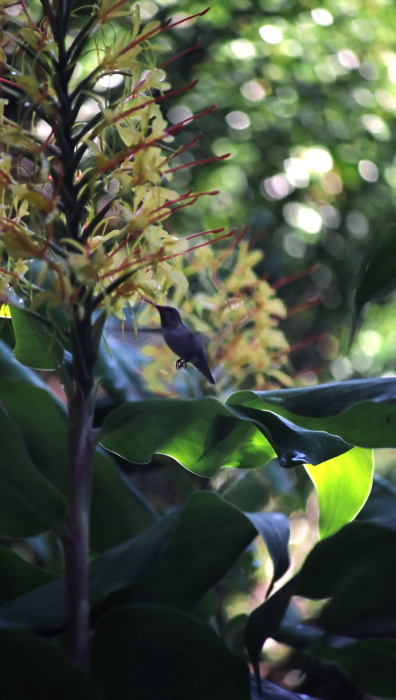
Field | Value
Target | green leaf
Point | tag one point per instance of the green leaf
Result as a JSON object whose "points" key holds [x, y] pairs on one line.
{"points": [[361, 412], [265, 620], [36, 344], [31, 668], [274, 528], [343, 485], [17, 576], [209, 537], [118, 510], [355, 568], [331, 561], [293, 444], [149, 651], [44, 608], [370, 662], [202, 435], [29, 504], [381, 503], [10, 368]]}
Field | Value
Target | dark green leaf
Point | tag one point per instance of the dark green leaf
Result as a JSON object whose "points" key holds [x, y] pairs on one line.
{"points": [[249, 491], [264, 621], [29, 504], [362, 412], [31, 669], [274, 528], [118, 510], [209, 536], [44, 608], [293, 444], [370, 662], [149, 651], [17, 576], [381, 504]]}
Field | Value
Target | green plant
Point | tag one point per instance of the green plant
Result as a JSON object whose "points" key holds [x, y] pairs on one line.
{"points": [[114, 597]]}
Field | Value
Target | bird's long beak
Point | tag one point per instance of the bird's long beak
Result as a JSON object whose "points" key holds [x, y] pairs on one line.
{"points": [[148, 301]]}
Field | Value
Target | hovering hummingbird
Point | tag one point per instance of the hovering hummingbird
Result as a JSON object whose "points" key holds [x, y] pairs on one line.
{"points": [[187, 345]]}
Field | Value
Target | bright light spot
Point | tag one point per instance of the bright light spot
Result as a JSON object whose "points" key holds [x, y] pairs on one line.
{"points": [[386, 100], [363, 96], [270, 34], [147, 9], [322, 17], [238, 120], [276, 187], [341, 368], [390, 176], [375, 125], [294, 245], [332, 183], [88, 109], [302, 217], [179, 114], [331, 217], [370, 342], [348, 59], [109, 81], [242, 48], [43, 129], [296, 172], [318, 160], [368, 170], [390, 59], [357, 224], [292, 48], [252, 91]]}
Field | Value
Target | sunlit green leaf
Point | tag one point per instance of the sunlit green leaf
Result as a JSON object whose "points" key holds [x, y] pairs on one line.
{"points": [[343, 485]]}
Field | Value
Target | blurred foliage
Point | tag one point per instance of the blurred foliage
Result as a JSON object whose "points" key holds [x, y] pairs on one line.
{"points": [[305, 99], [305, 95]]}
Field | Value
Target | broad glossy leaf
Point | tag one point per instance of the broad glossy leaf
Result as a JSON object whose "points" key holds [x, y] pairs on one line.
{"points": [[31, 668], [343, 485], [29, 504], [355, 568], [202, 435], [44, 608], [118, 510], [274, 528], [149, 651], [334, 559], [381, 503], [265, 620], [209, 536], [10, 368], [361, 412]]}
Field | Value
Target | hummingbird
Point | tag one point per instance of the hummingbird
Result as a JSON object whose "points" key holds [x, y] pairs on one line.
{"points": [[178, 337]]}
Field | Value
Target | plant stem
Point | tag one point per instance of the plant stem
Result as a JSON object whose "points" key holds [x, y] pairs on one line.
{"points": [[76, 545]]}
